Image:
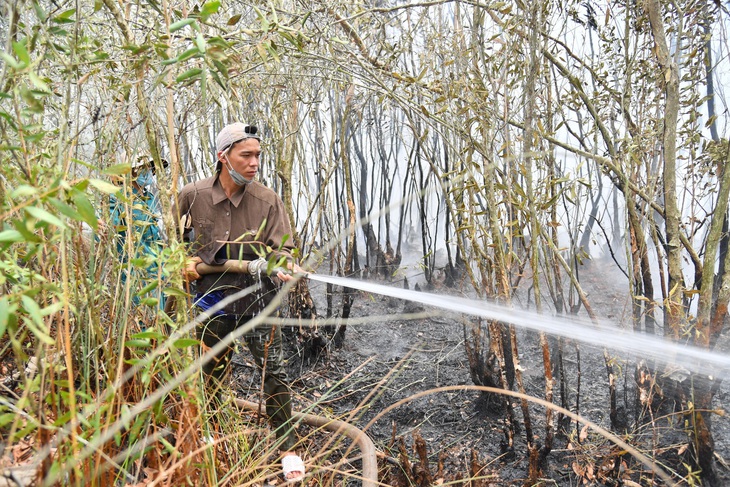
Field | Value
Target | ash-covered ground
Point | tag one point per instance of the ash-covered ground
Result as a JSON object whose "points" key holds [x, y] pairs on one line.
{"points": [[400, 351]]}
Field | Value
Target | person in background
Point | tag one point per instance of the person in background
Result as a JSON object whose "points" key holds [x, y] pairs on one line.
{"points": [[231, 216], [136, 221]]}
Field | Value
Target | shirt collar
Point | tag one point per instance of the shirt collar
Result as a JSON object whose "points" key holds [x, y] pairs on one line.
{"points": [[219, 195]]}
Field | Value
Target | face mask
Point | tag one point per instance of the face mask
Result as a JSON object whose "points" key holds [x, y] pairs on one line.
{"points": [[145, 178], [236, 176]]}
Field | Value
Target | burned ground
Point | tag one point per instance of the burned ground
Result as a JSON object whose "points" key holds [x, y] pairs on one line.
{"points": [[390, 359]]}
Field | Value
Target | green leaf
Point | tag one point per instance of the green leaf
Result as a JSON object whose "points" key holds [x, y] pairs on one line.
{"points": [[23, 190], [137, 344], [185, 342], [172, 291], [193, 51], [151, 302], [306, 17], [34, 104], [152, 335], [44, 215], [85, 208], [40, 13], [4, 315], [209, 8], [118, 170], [52, 308], [10, 61], [21, 51], [34, 320], [65, 209], [149, 287], [65, 17], [38, 82], [200, 43], [180, 24], [189, 74], [6, 419], [81, 185], [104, 186]]}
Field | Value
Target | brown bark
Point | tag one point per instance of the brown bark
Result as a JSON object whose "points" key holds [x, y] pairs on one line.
{"points": [[669, 74]]}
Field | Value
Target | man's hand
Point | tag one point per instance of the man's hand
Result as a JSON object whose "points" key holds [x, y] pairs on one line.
{"points": [[190, 274], [294, 268]]}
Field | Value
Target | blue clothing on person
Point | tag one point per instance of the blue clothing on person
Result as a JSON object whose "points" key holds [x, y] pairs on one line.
{"points": [[144, 230]]}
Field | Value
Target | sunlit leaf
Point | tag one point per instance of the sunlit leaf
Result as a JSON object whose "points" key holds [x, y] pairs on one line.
{"points": [[151, 302], [65, 17], [234, 20], [22, 191], [200, 42], [209, 8], [10, 61], [193, 51], [189, 74], [149, 287], [180, 24], [21, 51], [118, 169], [44, 215], [104, 186], [185, 342], [172, 291], [52, 308], [152, 335], [6, 419]]}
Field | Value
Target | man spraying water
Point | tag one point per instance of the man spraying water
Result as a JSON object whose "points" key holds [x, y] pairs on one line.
{"points": [[231, 217]]}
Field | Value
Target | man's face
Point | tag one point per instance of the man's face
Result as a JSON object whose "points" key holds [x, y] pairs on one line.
{"points": [[244, 157]]}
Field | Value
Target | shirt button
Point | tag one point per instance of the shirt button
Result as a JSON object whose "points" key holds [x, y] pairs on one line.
{"points": [[226, 232], [228, 213]]}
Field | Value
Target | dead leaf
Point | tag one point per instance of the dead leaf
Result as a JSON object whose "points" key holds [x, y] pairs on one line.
{"points": [[583, 433], [21, 452]]}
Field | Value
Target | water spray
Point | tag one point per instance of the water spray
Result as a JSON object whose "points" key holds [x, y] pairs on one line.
{"points": [[599, 333]]}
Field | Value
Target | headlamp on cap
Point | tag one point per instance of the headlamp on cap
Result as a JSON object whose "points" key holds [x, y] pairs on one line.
{"points": [[233, 133]]}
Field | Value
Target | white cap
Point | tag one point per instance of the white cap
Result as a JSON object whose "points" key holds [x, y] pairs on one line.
{"points": [[235, 132]]}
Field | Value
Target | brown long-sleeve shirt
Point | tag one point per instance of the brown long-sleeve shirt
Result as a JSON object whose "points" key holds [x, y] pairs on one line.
{"points": [[252, 223]]}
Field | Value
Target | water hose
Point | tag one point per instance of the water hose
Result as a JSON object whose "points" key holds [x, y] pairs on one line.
{"points": [[231, 265], [367, 447]]}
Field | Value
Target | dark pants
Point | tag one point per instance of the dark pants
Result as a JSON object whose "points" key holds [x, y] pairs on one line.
{"points": [[265, 345]]}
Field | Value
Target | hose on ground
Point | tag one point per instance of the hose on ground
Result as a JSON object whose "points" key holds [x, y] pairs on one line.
{"points": [[367, 448]]}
